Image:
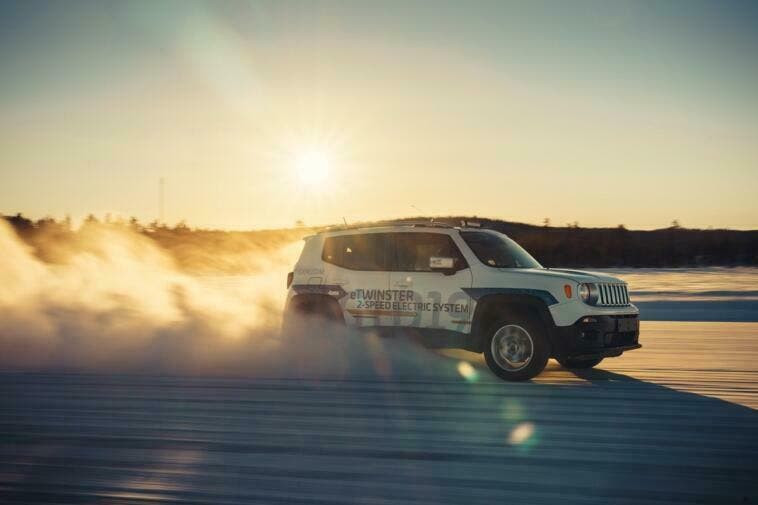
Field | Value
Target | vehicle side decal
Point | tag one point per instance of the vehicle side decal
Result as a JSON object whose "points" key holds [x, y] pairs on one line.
{"points": [[333, 290], [543, 295], [377, 313]]}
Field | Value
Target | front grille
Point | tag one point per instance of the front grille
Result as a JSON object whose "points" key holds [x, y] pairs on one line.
{"points": [[612, 294]]}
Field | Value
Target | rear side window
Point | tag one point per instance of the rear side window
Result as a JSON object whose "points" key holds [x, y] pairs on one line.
{"points": [[357, 252], [414, 250]]}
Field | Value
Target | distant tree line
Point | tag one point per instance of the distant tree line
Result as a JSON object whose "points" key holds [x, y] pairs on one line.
{"points": [[574, 246], [568, 246]]}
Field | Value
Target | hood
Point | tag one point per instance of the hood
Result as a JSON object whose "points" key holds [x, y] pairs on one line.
{"points": [[561, 273]]}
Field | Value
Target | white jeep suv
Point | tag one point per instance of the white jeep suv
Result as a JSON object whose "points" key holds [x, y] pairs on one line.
{"points": [[466, 288]]}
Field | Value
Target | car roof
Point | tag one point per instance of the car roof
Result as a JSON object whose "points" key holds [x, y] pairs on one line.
{"points": [[404, 227]]}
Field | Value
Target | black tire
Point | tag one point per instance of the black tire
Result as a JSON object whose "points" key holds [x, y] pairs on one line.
{"points": [[540, 347], [579, 363]]}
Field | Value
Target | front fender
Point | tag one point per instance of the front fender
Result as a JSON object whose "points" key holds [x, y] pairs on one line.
{"points": [[492, 306]]}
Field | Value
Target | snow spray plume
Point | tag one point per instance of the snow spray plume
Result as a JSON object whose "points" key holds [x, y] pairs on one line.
{"points": [[116, 302]]}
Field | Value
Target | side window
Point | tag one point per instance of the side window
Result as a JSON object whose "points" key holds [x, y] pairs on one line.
{"points": [[413, 251], [357, 252]]}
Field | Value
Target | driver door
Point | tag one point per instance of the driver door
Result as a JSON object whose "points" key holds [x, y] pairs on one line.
{"points": [[428, 277]]}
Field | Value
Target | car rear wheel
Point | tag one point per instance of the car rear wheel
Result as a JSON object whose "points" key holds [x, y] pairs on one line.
{"points": [[516, 349], [579, 363]]}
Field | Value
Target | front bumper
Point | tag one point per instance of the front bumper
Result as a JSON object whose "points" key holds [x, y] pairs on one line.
{"points": [[597, 336]]}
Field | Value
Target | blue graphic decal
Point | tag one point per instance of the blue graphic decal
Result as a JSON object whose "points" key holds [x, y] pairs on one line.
{"points": [[333, 290], [543, 295]]}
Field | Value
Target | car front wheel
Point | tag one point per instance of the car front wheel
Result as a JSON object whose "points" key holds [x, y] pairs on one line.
{"points": [[516, 349]]}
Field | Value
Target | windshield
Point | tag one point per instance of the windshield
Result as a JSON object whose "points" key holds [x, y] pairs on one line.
{"points": [[498, 251]]}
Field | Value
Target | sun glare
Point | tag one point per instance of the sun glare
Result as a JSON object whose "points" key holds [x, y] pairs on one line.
{"points": [[313, 167]]}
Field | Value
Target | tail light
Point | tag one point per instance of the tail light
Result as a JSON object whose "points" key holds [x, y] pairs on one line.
{"points": [[290, 276]]}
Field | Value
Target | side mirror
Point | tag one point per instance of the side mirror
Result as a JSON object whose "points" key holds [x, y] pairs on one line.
{"points": [[441, 264]]}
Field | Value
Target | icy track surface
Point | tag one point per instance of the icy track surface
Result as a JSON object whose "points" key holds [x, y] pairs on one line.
{"points": [[671, 423], [693, 294]]}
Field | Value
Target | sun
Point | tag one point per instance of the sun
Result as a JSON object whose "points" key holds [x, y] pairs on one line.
{"points": [[313, 167]]}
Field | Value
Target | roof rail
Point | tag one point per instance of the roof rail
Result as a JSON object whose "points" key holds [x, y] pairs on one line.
{"points": [[410, 224], [427, 224], [340, 227]]}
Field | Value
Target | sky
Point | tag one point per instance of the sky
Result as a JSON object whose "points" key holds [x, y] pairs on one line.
{"points": [[260, 114]]}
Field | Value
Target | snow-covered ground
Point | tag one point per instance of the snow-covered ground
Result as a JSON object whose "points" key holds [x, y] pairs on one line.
{"points": [[218, 413], [693, 294], [669, 423], [714, 283]]}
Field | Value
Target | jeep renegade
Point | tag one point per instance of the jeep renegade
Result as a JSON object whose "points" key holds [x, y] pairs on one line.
{"points": [[464, 287]]}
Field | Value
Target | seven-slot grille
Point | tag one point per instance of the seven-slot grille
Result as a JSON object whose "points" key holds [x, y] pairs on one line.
{"points": [[612, 294]]}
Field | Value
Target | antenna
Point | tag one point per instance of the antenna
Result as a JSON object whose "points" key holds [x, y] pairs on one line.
{"points": [[431, 219], [161, 199]]}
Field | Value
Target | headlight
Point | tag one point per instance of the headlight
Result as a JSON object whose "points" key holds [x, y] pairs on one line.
{"points": [[588, 293]]}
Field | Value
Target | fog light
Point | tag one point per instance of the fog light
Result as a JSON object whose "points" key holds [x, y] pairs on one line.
{"points": [[589, 320], [589, 336]]}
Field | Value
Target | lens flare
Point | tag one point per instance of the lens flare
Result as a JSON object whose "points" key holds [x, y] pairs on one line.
{"points": [[467, 371], [521, 434]]}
